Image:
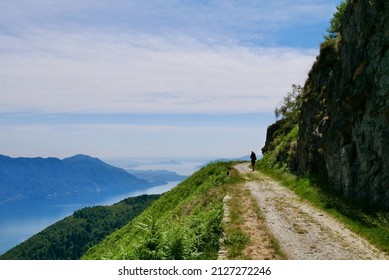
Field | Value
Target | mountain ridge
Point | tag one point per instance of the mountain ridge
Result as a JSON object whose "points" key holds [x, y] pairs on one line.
{"points": [[45, 178]]}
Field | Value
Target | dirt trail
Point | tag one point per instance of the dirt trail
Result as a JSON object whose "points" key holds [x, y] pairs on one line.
{"points": [[304, 232]]}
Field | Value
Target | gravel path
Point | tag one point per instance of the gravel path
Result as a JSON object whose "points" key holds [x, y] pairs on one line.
{"points": [[304, 232]]}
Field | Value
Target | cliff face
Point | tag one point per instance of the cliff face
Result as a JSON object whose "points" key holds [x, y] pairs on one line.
{"points": [[344, 120]]}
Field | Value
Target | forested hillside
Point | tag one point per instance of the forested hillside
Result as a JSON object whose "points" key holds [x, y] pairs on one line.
{"points": [[52, 178], [72, 236]]}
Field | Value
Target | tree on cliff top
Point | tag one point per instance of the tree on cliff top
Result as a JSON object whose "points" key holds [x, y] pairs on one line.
{"points": [[290, 106], [334, 30]]}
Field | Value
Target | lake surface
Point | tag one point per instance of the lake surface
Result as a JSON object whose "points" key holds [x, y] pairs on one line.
{"points": [[21, 220], [18, 221]]}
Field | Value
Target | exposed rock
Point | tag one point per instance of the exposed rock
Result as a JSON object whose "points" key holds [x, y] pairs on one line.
{"points": [[344, 122]]}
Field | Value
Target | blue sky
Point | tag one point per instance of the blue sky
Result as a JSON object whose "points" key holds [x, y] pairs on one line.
{"points": [[150, 78]]}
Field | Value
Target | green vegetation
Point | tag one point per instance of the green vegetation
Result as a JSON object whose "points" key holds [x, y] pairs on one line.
{"points": [[333, 32], [246, 235], [290, 106], [236, 241], [72, 236], [280, 148], [282, 135], [374, 226], [235, 238], [184, 223]]}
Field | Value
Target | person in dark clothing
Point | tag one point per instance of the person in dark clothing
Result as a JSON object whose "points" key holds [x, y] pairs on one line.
{"points": [[253, 158]]}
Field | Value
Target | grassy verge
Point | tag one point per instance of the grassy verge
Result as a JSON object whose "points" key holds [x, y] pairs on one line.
{"points": [[245, 231], [373, 225]]}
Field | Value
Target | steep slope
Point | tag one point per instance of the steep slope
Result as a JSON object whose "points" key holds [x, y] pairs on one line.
{"points": [[343, 125], [242, 216], [184, 223], [69, 238], [39, 178], [345, 114]]}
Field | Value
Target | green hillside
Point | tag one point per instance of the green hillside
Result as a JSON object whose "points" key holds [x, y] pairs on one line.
{"points": [[72, 236], [184, 223]]}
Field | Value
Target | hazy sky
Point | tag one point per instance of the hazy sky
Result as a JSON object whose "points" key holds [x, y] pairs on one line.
{"points": [[139, 78]]}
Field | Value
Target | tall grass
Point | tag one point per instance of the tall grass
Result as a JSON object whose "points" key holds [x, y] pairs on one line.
{"points": [[373, 225], [184, 223]]}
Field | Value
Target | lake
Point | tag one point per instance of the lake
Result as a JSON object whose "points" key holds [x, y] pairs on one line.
{"points": [[21, 220]]}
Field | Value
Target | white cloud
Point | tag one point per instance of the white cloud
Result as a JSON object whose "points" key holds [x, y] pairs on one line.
{"points": [[154, 16], [80, 72], [148, 57]]}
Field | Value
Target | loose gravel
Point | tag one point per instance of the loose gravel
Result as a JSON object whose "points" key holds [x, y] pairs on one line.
{"points": [[303, 231]]}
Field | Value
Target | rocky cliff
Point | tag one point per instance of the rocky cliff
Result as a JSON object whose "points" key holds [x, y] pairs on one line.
{"points": [[344, 119]]}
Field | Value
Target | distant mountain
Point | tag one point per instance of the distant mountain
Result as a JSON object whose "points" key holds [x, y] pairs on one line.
{"points": [[47, 178], [168, 162], [242, 158], [157, 177]]}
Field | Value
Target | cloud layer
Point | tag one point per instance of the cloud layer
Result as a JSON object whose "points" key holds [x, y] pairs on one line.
{"points": [[151, 56], [147, 78], [143, 74]]}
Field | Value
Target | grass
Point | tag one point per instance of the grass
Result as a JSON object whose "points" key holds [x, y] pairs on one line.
{"points": [[373, 225], [235, 237], [187, 223], [246, 233], [184, 223]]}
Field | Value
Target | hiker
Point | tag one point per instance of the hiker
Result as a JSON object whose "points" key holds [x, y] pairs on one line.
{"points": [[253, 158]]}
